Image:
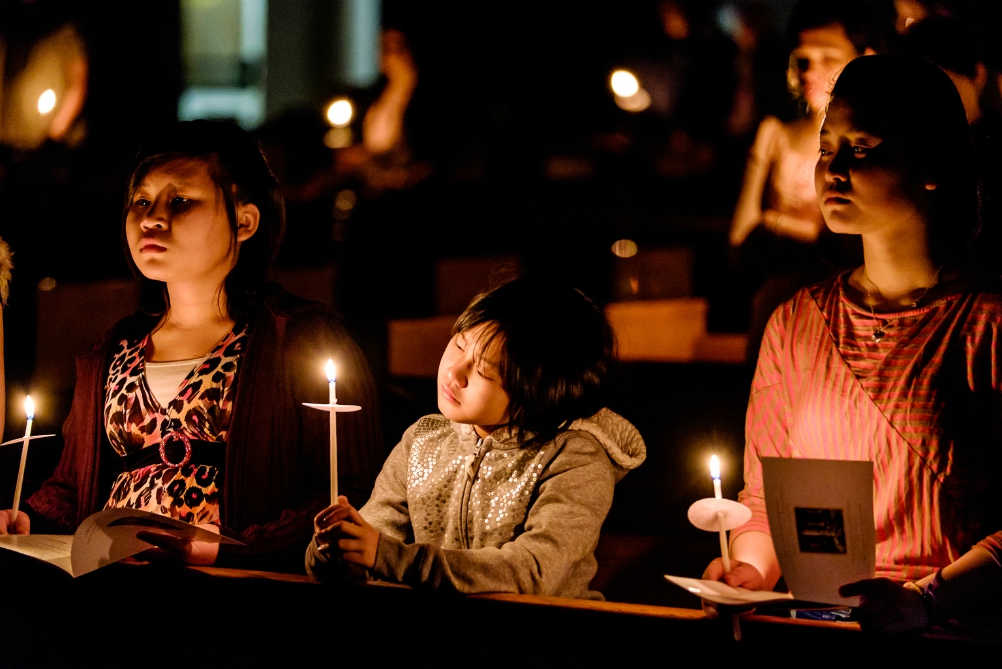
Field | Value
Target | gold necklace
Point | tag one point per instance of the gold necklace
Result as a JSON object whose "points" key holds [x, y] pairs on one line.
{"points": [[879, 333]]}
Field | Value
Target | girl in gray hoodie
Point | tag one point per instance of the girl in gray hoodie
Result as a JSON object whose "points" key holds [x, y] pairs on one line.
{"points": [[505, 490]]}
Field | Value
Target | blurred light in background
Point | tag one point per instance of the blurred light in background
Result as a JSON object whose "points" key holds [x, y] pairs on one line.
{"points": [[624, 248], [344, 204], [224, 44], [340, 112], [46, 101], [637, 102], [360, 53], [624, 83], [44, 90], [630, 95], [337, 138]]}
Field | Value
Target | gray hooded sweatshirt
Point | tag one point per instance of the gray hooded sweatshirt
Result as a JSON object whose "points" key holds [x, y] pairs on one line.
{"points": [[471, 515]]}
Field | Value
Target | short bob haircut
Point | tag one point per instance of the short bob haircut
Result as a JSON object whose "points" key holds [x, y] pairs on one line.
{"points": [[239, 169], [915, 104], [554, 353]]}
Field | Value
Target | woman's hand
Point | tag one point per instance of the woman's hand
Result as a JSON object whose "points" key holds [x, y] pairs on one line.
{"points": [[886, 606], [339, 530], [742, 575], [172, 548], [20, 526]]}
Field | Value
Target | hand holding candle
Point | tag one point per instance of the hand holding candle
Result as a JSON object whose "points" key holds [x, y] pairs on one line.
{"points": [[29, 409]]}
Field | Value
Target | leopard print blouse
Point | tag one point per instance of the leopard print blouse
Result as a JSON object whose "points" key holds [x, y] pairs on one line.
{"points": [[202, 410]]}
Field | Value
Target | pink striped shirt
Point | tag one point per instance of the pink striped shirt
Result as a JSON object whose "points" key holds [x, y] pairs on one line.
{"points": [[924, 404]]}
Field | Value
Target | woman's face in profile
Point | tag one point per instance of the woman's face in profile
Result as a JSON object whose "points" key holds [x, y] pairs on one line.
{"points": [[177, 227], [864, 179]]}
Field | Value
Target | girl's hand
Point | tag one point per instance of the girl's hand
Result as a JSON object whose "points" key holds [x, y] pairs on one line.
{"points": [[341, 530], [20, 526], [886, 606], [172, 548], [742, 575], [327, 529]]}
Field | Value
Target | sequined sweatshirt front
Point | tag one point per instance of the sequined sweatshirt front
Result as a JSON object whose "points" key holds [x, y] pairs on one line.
{"points": [[491, 516]]}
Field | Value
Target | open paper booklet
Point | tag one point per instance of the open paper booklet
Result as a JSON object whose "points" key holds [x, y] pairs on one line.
{"points": [[821, 520], [102, 539]]}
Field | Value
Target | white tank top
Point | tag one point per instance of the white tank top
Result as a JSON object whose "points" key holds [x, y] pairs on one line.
{"points": [[164, 378]]}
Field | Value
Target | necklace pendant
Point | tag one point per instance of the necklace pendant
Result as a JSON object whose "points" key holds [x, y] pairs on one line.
{"points": [[878, 335]]}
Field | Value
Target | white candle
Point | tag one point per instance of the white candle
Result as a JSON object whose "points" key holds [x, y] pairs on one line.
{"points": [[333, 400], [29, 408], [725, 552], [715, 475]]}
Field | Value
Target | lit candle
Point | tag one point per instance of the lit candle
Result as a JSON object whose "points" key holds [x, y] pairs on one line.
{"points": [[29, 409], [715, 475], [333, 400], [725, 552]]}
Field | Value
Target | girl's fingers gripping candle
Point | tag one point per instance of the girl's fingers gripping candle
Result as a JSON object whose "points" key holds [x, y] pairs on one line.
{"points": [[29, 409]]}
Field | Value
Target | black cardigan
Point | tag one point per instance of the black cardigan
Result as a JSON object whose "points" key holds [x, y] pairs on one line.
{"points": [[277, 472]]}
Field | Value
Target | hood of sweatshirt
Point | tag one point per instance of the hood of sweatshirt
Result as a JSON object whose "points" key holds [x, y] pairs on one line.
{"points": [[620, 439]]}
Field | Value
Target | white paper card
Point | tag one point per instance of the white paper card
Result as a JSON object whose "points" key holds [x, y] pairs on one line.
{"points": [[721, 593], [821, 519]]}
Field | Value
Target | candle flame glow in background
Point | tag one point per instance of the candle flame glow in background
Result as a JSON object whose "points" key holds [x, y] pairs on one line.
{"points": [[46, 101], [340, 112], [29, 407], [624, 83], [714, 467]]}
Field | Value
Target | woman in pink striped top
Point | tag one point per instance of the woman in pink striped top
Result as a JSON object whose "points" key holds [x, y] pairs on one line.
{"points": [[898, 361]]}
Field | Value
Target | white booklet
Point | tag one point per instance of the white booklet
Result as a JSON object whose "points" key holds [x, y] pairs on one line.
{"points": [[104, 538], [821, 520]]}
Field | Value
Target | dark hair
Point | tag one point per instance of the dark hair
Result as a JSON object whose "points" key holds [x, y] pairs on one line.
{"points": [[915, 102], [239, 169], [854, 16], [554, 355], [945, 42]]}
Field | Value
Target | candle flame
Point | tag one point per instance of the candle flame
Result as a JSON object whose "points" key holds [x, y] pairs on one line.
{"points": [[714, 467], [29, 407], [329, 368]]}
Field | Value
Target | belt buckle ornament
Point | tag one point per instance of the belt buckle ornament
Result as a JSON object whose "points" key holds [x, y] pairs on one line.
{"points": [[175, 436]]}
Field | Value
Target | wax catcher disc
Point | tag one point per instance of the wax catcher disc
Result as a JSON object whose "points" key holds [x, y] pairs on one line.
{"points": [[703, 514], [336, 408]]}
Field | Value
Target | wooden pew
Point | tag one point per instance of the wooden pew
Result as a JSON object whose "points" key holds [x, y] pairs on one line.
{"points": [[262, 619]]}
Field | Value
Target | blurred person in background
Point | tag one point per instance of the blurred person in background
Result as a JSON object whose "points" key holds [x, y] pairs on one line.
{"points": [[947, 43], [777, 220]]}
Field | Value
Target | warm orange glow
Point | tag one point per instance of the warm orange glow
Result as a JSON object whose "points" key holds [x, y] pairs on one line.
{"points": [[714, 467], [637, 102], [331, 371], [29, 407], [624, 83], [340, 113], [624, 248], [46, 101]]}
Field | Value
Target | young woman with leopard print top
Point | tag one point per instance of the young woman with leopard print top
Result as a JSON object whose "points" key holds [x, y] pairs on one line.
{"points": [[192, 407]]}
